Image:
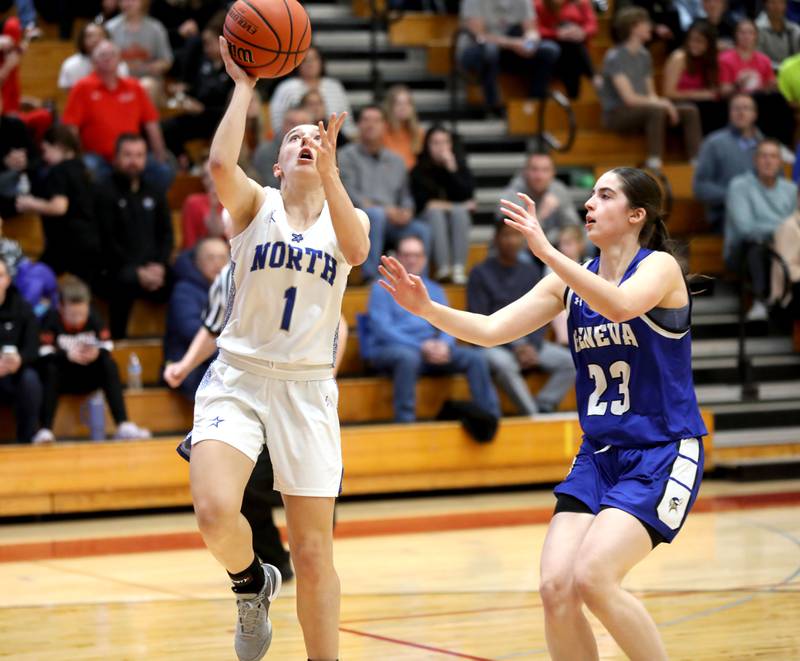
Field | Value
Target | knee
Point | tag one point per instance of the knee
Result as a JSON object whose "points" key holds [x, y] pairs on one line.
{"points": [[29, 382], [559, 595], [311, 557], [549, 51], [408, 362], [215, 516], [591, 584]]}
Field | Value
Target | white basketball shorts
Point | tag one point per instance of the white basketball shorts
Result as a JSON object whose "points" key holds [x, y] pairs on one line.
{"points": [[297, 420]]}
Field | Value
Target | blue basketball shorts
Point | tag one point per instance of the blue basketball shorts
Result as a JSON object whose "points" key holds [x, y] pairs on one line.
{"points": [[657, 484]]}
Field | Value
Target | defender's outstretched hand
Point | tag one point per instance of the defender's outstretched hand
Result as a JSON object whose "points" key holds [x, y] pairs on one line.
{"points": [[325, 151], [525, 221], [236, 72], [408, 290]]}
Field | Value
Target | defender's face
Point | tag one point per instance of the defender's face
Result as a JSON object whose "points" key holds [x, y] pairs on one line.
{"points": [[607, 210], [296, 154]]}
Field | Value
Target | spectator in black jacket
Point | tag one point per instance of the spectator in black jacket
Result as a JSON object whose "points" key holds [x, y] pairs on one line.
{"points": [[17, 154], [137, 234], [19, 348], [206, 97], [72, 243], [76, 358], [442, 186]]}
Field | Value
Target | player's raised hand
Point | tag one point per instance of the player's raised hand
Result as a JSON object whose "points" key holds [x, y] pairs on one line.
{"points": [[236, 72], [325, 151], [524, 220], [407, 289]]}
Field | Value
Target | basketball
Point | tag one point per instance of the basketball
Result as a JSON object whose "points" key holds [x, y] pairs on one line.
{"points": [[267, 38]]}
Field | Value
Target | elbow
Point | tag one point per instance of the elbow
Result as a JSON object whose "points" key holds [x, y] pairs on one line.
{"points": [[619, 314], [357, 256]]}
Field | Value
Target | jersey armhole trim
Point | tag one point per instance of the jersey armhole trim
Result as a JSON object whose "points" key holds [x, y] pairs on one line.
{"points": [[240, 237], [664, 332]]}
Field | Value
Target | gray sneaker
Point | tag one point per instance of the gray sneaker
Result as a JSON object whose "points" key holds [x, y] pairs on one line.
{"points": [[253, 626]]}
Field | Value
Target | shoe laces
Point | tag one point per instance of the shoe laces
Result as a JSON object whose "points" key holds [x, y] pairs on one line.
{"points": [[250, 614]]}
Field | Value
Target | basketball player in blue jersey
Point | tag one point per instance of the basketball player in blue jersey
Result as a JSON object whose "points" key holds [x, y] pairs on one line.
{"points": [[639, 467], [291, 252]]}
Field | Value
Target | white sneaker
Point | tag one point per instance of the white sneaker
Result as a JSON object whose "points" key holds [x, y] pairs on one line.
{"points": [[442, 273], [44, 436], [459, 275], [758, 312], [129, 431]]}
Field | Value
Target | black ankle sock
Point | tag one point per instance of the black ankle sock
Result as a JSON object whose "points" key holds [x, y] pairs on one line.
{"points": [[251, 580]]}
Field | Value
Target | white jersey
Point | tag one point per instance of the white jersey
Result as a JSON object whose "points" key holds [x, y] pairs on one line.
{"points": [[286, 295]]}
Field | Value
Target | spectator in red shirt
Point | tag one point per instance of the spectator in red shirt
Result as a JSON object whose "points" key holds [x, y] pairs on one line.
{"points": [[571, 23], [201, 215], [12, 48], [743, 69], [102, 106]]}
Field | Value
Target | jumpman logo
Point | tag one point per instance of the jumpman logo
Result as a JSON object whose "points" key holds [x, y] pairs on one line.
{"points": [[297, 238], [215, 422]]}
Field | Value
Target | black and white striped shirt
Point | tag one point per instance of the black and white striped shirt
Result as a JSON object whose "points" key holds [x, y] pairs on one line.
{"points": [[214, 313]]}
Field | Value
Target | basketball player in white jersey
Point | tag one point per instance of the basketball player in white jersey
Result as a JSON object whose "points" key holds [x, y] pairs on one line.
{"points": [[292, 250]]}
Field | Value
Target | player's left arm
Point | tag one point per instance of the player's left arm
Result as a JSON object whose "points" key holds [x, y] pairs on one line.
{"points": [[351, 225], [658, 280]]}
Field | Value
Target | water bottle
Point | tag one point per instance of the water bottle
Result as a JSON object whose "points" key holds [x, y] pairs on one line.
{"points": [[96, 416], [23, 185], [134, 372]]}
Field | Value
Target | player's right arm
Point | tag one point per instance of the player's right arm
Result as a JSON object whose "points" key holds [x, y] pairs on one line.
{"points": [[525, 315], [239, 194]]}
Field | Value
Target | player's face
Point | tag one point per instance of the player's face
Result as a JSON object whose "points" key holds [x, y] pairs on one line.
{"points": [[75, 314], [296, 154], [608, 214]]}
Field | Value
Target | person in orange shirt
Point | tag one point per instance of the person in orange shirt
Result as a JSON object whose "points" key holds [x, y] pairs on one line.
{"points": [[403, 133]]}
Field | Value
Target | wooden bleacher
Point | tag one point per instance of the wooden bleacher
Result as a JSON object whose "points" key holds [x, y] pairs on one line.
{"points": [[83, 477]]}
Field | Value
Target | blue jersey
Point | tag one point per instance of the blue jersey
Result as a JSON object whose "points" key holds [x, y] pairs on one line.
{"points": [[634, 381]]}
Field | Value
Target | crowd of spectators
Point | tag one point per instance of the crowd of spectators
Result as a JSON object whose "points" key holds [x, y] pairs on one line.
{"points": [[147, 82]]}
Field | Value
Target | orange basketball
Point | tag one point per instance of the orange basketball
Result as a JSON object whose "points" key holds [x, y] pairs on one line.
{"points": [[267, 38]]}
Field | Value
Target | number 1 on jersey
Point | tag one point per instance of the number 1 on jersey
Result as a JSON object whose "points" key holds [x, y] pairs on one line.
{"points": [[290, 294]]}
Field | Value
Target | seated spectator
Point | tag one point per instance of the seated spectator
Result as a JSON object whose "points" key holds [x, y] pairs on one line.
{"points": [[403, 133], [725, 154], [408, 346], [756, 205], [443, 189], [310, 75], [137, 235], [195, 271], [201, 215], [143, 44], [571, 24], [103, 106], [184, 22], [206, 99], [377, 182], [691, 74], [313, 103], [554, 206], [79, 65], [266, 154], [628, 97], [722, 20], [17, 158], [503, 37], [76, 358], [778, 37], [19, 347], [744, 69], [663, 15], [72, 242], [13, 44], [493, 284]]}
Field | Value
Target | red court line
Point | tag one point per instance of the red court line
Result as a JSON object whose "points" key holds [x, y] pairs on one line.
{"points": [[73, 548], [418, 616], [409, 643]]}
